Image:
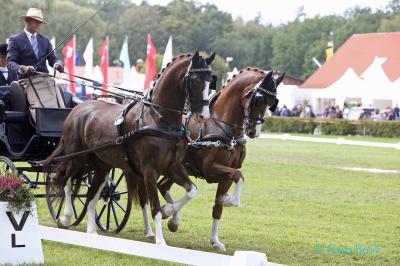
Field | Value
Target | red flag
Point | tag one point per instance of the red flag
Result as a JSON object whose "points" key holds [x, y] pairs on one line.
{"points": [[150, 70], [103, 53], [69, 61]]}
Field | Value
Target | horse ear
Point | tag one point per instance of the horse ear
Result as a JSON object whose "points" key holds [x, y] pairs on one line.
{"points": [[210, 59], [273, 107], [196, 56], [279, 79], [266, 80]]}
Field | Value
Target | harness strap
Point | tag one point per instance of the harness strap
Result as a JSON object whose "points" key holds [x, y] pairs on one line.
{"points": [[131, 135]]}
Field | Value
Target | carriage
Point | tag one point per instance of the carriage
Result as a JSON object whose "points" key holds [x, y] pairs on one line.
{"points": [[25, 144]]}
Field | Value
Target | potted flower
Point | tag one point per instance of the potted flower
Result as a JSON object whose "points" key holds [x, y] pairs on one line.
{"points": [[19, 239], [15, 193]]}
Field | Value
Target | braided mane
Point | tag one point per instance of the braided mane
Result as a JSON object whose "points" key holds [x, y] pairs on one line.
{"points": [[169, 65], [243, 70]]}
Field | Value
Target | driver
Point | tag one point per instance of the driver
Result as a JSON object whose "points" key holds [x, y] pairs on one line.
{"points": [[27, 48]]}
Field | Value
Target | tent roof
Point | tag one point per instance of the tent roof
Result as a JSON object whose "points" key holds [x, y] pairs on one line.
{"points": [[358, 53]]}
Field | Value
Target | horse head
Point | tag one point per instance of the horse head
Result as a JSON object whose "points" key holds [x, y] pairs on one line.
{"points": [[256, 101], [197, 84]]}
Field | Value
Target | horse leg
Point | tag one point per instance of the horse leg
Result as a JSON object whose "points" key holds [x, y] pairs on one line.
{"points": [[181, 178], [150, 181], [223, 172], [224, 176], [65, 220], [222, 189], [98, 182], [164, 186], [143, 199]]}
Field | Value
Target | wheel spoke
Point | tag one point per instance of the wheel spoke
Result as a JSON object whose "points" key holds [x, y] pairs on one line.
{"points": [[119, 205], [121, 193], [112, 173], [101, 212], [59, 209], [74, 209], [115, 214], [81, 201], [119, 180], [108, 217]]}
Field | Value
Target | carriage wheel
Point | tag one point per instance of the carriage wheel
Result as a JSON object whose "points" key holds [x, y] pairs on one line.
{"points": [[115, 203], [6, 165], [56, 202]]}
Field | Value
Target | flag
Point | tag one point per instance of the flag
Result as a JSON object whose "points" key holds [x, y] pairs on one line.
{"points": [[168, 53], [88, 57], [124, 57], [150, 68], [77, 57], [53, 45], [103, 53], [329, 48], [69, 61]]}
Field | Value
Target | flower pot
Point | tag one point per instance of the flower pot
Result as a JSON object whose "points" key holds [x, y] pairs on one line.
{"points": [[19, 237]]}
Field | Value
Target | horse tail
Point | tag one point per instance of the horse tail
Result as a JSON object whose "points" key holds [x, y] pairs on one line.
{"points": [[58, 180], [136, 186]]}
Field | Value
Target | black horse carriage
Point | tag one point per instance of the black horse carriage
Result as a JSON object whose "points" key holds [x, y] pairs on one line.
{"points": [[25, 144]]}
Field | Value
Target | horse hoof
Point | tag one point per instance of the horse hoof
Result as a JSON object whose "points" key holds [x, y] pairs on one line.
{"points": [[167, 210], [151, 237], [64, 222], [218, 245], [232, 203], [161, 242], [172, 226]]}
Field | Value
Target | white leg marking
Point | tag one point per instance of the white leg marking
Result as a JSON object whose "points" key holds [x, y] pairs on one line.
{"points": [[235, 199], [214, 236], [205, 111], [170, 209], [68, 211], [148, 232], [173, 223], [91, 223], [258, 130], [159, 235]]}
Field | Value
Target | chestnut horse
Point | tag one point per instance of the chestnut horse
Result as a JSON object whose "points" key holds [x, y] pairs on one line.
{"points": [[238, 109], [142, 159]]}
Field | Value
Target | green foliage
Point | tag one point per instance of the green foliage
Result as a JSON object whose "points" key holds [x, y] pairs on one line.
{"points": [[219, 68], [195, 26], [332, 126]]}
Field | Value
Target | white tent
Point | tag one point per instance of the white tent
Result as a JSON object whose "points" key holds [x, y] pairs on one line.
{"points": [[372, 88]]}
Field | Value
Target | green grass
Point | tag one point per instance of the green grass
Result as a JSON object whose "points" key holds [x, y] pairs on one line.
{"points": [[294, 199], [356, 138]]}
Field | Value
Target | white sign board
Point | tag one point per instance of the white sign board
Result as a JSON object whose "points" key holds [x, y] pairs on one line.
{"points": [[19, 237]]}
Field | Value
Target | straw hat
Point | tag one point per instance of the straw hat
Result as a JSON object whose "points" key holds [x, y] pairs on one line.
{"points": [[35, 14]]}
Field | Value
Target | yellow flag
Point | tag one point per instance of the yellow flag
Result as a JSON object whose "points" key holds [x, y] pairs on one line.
{"points": [[329, 53]]}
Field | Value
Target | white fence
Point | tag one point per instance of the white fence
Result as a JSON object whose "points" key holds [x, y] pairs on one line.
{"points": [[166, 253], [339, 141]]}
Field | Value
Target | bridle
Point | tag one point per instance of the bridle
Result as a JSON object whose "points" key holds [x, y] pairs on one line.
{"points": [[188, 82], [248, 114]]}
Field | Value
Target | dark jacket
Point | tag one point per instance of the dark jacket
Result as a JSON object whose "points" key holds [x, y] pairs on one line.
{"points": [[20, 52], [4, 81]]}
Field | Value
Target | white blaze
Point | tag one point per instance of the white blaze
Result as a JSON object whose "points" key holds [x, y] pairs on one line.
{"points": [[205, 112]]}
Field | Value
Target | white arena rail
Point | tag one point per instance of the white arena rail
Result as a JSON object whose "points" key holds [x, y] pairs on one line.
{"points": [[153, 251], [339, 141]]}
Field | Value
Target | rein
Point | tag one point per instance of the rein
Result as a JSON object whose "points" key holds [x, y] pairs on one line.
{"points": [[135, 97]]}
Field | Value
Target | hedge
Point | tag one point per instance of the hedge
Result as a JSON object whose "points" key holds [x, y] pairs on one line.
{"points": [[332, 126]]}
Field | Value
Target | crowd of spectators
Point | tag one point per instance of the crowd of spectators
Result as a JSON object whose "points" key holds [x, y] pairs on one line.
{"points": [[332, 111]]}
